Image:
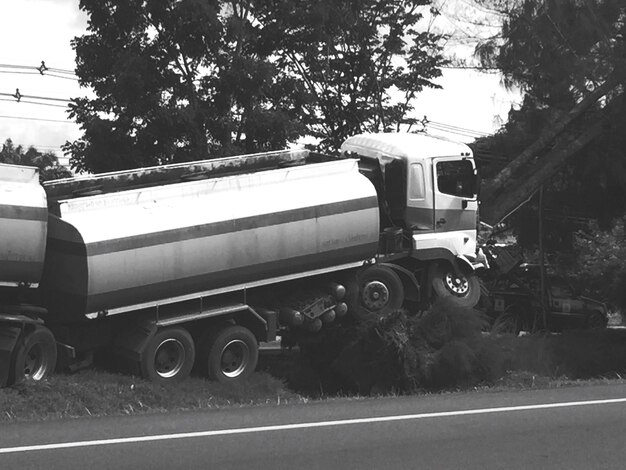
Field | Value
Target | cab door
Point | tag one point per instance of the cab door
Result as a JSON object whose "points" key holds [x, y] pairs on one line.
{"points": [[454, 194]]}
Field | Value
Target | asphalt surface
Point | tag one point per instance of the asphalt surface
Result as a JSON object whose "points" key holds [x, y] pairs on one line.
{"points": [[566, 428]]}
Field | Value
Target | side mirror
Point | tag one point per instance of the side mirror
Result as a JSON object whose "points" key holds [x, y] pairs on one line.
{"points": [[464, 203]]}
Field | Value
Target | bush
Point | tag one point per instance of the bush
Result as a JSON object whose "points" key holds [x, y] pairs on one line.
{"points": [[445, 347], [600, 264]]}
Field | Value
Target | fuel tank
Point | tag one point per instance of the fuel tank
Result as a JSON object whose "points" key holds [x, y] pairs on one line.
{"points": [[136, 246], [23, 223]]}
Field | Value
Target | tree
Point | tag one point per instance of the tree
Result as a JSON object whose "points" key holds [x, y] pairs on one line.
{"points": [[570, 59], [47, 162], [175, 81], [178, 80], [352, 56]]}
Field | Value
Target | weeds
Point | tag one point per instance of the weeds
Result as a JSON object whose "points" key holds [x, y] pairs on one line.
{"points": [[445, 348], [97, 393]]}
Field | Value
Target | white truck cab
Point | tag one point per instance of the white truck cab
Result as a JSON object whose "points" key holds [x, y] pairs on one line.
{"points": [[429, 189]]}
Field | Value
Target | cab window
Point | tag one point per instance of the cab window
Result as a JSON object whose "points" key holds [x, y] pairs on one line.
{"points": [[416, 182], [456, 177]]}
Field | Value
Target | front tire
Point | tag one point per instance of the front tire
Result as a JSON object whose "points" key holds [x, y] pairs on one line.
{"points": [[457, 288], [169, 356]]}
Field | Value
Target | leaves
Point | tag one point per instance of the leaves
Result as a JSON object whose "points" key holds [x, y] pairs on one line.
{"points": [[47, 162], [570, 59], [184, 80]]}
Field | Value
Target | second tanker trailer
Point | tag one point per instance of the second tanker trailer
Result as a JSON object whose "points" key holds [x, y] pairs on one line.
{"points": [[192, 265]]}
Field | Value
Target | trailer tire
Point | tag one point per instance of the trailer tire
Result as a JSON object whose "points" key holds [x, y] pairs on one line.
{"points": [[459, 289], [378, 291], [169, 355], [229, 354], [35, 357]]}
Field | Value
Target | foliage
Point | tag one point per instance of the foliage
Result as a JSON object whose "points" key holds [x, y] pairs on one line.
{"points": [[559, 52], [402, 352], [445, 348], [599, 265], [351, 55], [181, 80], [47, 162]]}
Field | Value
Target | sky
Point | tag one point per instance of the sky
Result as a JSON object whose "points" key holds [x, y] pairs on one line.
{"points": [[32, 31]]}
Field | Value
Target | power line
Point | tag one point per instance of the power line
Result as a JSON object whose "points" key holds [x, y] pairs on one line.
{"points": [[39, 68], [452, 129], [18, 96], [36, 119], [44, 104], [18, 73]]}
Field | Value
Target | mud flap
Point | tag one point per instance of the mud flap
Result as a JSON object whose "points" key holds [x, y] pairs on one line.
{"points": [[9, 336], [131, 343]]}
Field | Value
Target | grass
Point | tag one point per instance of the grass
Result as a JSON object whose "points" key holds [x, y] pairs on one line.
{"points": [[433, 353], [98, 393]]}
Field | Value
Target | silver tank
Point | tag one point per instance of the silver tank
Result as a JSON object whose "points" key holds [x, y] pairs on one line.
{"points": [[23, 221], [135, 246]]}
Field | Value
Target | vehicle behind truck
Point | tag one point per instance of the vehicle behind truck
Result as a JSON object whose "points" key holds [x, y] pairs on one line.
{"points": [[191, 266]]}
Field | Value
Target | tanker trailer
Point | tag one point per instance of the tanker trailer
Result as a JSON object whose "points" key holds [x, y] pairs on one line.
{"points": [[164, 274], [25, 344], [192, 265]]}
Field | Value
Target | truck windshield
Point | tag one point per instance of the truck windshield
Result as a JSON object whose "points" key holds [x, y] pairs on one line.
{"points": [[457, 178]]}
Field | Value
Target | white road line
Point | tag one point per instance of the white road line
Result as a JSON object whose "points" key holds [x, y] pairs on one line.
{"points": [[314, 424]]}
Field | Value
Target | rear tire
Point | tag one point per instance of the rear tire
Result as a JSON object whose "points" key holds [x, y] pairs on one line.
{"points": [[169, 356], [229, 354], [36, 357], [459, 289]]}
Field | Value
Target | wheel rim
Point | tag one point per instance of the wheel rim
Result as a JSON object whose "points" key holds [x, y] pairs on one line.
{"points": [[375, 295], [235, 358], [169, 358], [458, 285], [35, 363]]}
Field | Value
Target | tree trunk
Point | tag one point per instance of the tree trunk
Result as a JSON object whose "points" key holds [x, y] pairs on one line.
{"points": [[501, 181], [494, 210]]}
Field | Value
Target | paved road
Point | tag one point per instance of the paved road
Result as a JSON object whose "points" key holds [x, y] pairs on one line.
{"points": [[568, 428]]}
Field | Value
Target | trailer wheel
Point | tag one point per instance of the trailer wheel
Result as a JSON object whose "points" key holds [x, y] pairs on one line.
{"points": [[229, 354], [169, 355], [459, 289], [36, 358], [378, 291]]}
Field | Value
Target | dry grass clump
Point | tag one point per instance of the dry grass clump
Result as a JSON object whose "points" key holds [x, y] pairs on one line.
{"points": [[446, 348]]}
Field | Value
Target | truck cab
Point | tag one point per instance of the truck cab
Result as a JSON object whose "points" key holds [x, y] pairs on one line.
{"points": [[428, 186], [428, 192]]}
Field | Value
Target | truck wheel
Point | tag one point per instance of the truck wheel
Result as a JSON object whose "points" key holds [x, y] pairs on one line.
{"points": [[229, 354], [460, 290], [36, 358], [169, 355], [378, 291]]}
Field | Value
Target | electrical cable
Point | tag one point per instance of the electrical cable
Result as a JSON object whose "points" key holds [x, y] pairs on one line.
{"points": [[36, 119], [43, 104]]}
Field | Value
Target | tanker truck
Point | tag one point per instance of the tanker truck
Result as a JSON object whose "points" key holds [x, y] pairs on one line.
{"points": [[190, 266]]}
